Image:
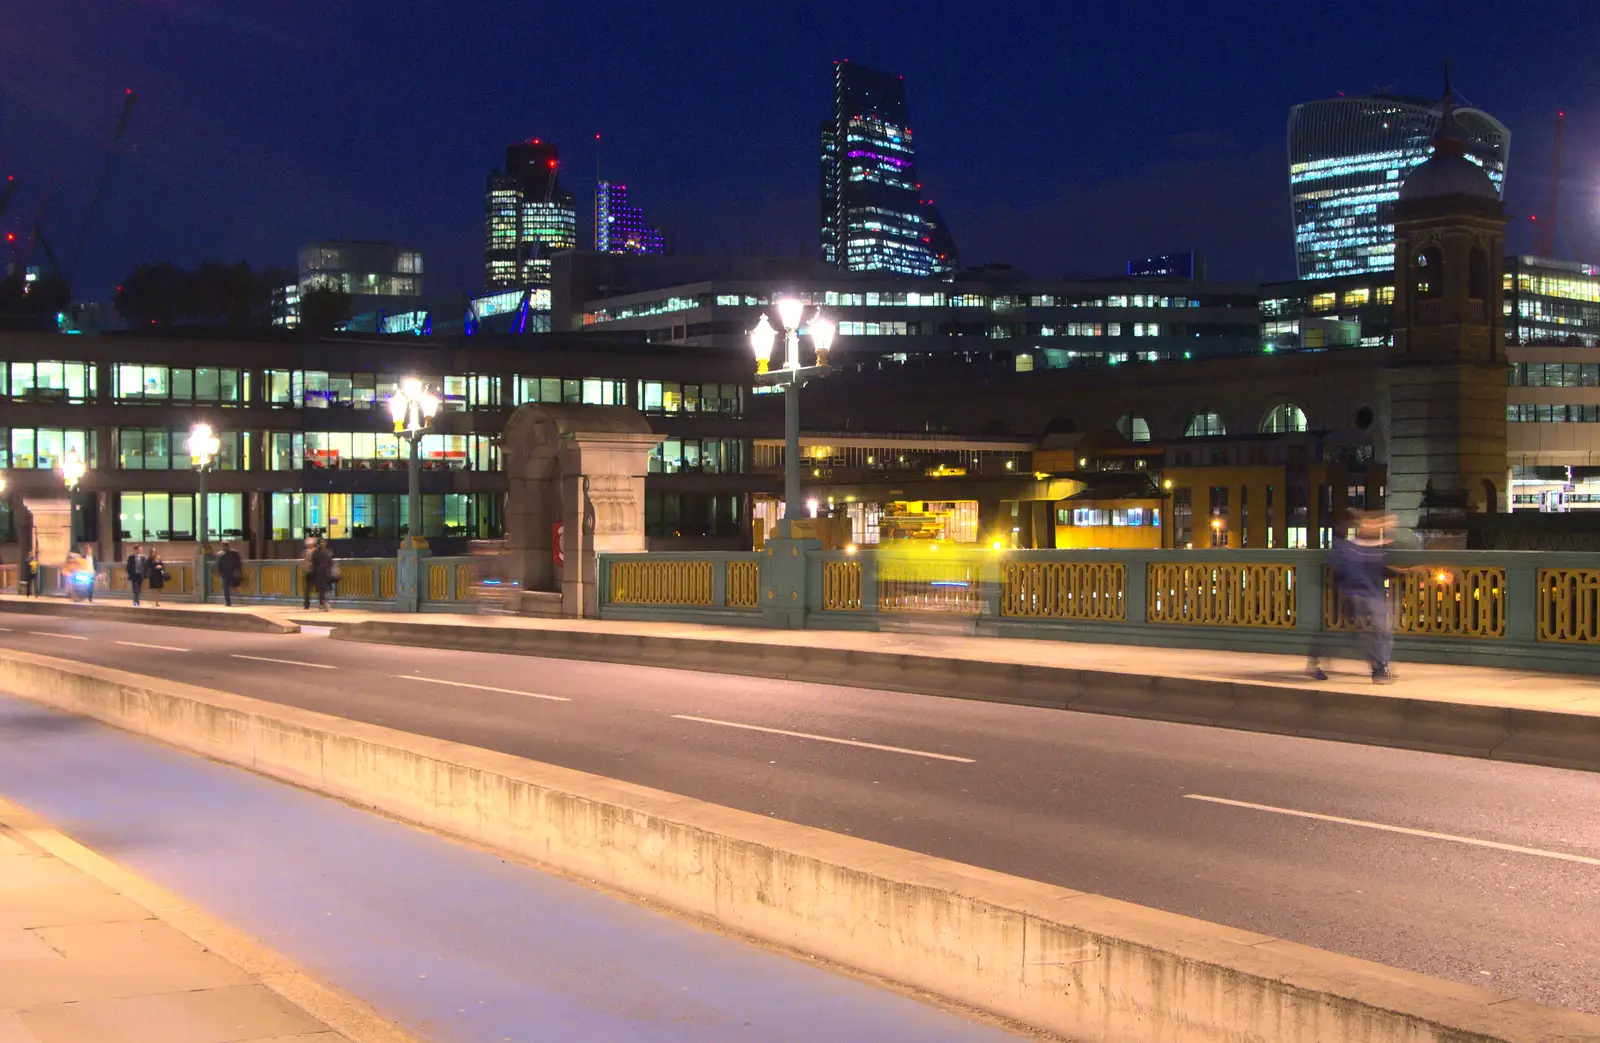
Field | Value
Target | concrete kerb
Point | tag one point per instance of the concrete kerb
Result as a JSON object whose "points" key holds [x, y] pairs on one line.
{"points": [[1462, 729], [242, 620], [1084, 966]]}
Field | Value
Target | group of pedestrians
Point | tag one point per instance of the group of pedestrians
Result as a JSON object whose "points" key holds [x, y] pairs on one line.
{"points": [[146, 569]]}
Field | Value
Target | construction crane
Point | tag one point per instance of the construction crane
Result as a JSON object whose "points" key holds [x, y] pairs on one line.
{"points": [[6, 193], [1544, 239], [99, 189]]}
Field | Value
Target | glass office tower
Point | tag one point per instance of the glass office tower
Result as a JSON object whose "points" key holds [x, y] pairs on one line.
{"points": [[875, 217], [529, 216], [1347, 160]]}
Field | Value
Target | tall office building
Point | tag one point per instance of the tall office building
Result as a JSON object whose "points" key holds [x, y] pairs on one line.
{"points": [[529, 216], [875, 217], [1347, 159], [620, 228]]}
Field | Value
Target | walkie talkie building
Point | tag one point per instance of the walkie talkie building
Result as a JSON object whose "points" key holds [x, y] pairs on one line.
{"points": [[1347, 160]]}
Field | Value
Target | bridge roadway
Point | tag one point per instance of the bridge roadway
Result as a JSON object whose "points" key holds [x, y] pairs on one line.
{"points": [[1478, 871]]}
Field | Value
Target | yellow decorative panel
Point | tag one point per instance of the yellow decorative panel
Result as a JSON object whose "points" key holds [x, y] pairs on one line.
{"points": [[928, 586], [661, 582], [464, 578], [280, 581], [1569, 605], [1063, 590], [743, 584], [386, 581], [841, 586], [438, 582], [1236, 594], [1431, 602], [357, 581]]}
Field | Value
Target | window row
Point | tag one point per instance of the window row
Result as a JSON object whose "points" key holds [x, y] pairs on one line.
{"points": [[658, 397], [1526, 414], [382, 516], [1117, 516], [589, 391], [1555, 374], [692, 514], [162, 449], [139, 384], [703, 455], [378, 451], [48, 381], [166, 517], [43, 448]]}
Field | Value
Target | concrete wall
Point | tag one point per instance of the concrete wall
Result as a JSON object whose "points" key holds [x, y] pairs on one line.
{"points": [[1087, 967]]}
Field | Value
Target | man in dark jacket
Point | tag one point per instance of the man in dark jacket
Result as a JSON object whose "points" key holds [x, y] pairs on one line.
{"points": [[230, 569], [137, 565]]}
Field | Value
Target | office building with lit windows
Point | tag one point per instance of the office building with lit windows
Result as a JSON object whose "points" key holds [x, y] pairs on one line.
{"points": [[1347, 160], [529, 216], [307, 447], [379, 277], [619, 227], [875, 214]]}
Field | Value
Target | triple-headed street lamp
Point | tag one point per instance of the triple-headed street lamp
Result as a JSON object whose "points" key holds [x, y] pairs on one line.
{"points": [[204, 446], [72, 470], [412, 407], [791, 377]]}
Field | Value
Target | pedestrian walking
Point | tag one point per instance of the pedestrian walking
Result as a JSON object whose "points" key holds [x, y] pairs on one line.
{"points": [[306, 561], [91, 575], [230, 569], [1359, 571], [137, 565], [155, 576], [323, 573], [30, 575]]}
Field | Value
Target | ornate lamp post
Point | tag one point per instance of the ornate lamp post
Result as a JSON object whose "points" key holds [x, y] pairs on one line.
{"points": [[791, 377], [72, 470], [204, 445], [412, 407]]}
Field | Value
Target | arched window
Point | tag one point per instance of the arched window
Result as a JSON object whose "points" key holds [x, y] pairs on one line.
{"points": [[1283, 419], [1478, 274], [1205, 425], [1427, 273], [1133, 427]]}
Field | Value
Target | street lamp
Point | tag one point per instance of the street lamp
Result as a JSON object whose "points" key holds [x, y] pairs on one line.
{"points": [[791, 377], [204, 445], [412, 407], [72, 470]]}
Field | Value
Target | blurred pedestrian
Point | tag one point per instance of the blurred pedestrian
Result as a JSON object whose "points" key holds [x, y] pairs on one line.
{"points": [[137, 565], [230, 569], [322, 574], [306, 562], [1360, 571], [30, 575], [90, 572], [155, 575]]}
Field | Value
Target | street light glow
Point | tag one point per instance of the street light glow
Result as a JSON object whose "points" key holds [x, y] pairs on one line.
{"points": [[762, 338], [789, 311], [822, 333], [72, 469], [204, 445]]}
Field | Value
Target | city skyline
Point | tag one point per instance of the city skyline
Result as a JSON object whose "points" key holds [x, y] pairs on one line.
{"points": [[1129, 167]]}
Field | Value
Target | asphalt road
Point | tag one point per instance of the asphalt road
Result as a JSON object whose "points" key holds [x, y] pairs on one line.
{"points": [[1482, 872]]}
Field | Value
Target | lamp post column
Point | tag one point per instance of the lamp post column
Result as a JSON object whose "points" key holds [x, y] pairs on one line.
{"points": [[791, 453], [202, 573], [409, 576]]}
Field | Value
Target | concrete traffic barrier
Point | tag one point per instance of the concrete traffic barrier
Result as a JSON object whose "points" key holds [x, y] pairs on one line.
{"points": [[239, 620], [1084, 966], [1465, 729]]}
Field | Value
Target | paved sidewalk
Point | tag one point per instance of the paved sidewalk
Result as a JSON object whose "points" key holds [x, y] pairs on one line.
{"points": [[1466, 685], [82, 963]]}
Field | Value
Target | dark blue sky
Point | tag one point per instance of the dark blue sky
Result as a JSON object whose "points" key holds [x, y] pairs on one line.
{"points": [[1061, 137]]}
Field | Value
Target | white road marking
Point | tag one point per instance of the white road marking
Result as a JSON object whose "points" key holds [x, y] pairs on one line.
{"points": [[1406, 830], [826, 738], [52, 633], [485, 688], [285, 662], [141, 644]]}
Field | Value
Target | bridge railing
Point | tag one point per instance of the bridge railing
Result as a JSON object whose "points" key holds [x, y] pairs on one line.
{"points": [[368, 582], [1532, 610]]}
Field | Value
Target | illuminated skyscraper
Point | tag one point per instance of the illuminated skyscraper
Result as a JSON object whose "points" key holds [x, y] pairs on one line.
{"points": [[1347, 159], [875, 217], [529, 217], [620, 228]]}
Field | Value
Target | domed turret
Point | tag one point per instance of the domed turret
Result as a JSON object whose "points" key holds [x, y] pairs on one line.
{"points": [[1448, 172]]}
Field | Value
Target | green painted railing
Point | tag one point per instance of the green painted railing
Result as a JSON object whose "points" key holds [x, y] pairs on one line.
{"points": [[1504, 608]]}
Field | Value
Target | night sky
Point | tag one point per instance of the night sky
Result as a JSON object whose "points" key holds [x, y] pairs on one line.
{"points": [[1060, 137]]}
